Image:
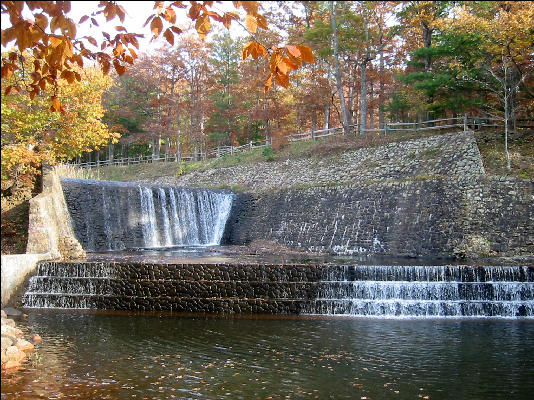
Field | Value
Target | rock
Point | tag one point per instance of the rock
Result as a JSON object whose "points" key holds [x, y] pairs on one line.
{"points": [[24, 345], [8, 322], [12, 312], [11, 364], [36, 338], [4, 315], [6, 342], [13, 353], [11, 331]]}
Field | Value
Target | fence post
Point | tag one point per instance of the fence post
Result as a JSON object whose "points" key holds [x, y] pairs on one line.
{"points": [[465, 122]]}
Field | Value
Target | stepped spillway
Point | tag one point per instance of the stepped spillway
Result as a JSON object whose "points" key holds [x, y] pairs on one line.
{"points": [[386, 291]]}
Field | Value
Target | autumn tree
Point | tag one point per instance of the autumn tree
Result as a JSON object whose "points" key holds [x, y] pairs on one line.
{"points": [[507, 64], [32, 134], [57, 53], [223, 122]]}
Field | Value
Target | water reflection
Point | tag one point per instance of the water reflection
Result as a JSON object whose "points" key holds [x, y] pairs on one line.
{"points": [[161, 356]]}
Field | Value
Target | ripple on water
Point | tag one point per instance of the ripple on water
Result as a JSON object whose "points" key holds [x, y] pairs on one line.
{"points": [[127, 356]]}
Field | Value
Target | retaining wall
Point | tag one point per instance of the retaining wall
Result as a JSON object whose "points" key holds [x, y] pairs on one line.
{"points": [[437, 217]]}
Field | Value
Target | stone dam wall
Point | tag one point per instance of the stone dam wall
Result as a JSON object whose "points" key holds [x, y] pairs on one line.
{"points": [[439, 217], [425, 197]]}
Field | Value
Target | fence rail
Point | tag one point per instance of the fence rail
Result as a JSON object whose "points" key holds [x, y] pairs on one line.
{"points": [[465, 122]]}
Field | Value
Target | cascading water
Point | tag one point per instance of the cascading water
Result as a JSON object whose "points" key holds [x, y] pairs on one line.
{"points": [[385, 291], [427, 291], [111, 216]]}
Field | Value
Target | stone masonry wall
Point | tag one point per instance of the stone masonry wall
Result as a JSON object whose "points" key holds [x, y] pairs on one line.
{"points": [[450, 155], [439, 217]]}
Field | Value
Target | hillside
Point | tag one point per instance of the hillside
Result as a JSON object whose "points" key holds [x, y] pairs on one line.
{"points": [[335, 161]]}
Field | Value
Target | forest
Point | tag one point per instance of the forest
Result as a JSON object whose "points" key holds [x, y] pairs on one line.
{"points": [[303, 65]]}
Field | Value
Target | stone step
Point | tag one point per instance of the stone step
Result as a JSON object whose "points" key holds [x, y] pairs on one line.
{"points": [[498, 291]]}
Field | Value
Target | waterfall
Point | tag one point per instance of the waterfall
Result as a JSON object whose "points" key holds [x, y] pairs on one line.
{"points": [[377, 291], [440, 291], [111, 216]]}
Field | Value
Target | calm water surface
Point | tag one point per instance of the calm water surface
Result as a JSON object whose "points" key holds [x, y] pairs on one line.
{"points": [[165, 356]]}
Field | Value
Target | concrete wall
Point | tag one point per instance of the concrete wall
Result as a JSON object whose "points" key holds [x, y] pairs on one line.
{"points": [[50, 227], [15, 269]]}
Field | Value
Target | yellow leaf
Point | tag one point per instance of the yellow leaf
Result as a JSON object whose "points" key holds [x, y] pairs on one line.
{"points": [[8, 35], [118, 50], [68, 76], [170, 15], [41, 21], [282, 79], [203, 25], [283, 67], [293, 50], [251, 7], [156, 26], [56, 105], [262, 22], [119, 68], [92, 40], [55, 41], [247, 49], [268, 83], [252, 23]]}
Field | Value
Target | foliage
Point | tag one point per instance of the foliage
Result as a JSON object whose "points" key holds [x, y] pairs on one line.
{"points": [[56, 54], [31, 134]]}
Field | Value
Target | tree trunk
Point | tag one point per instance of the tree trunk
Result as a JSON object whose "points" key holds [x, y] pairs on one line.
{"points": [[167, 144], [337, 72], [371, 109], [314, 123], [381, 119], [506, 113], [111, 149], [326, 123], [363, 97], [178, 146], [427, 40]]}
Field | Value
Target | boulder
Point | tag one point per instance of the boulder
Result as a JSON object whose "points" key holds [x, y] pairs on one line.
{"points": [[6, 342], [24, 345], [12, 312], [36, 338], [8, 322], [13, 353]]}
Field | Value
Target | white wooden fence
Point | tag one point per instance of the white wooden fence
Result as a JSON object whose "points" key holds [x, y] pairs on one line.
{"points": [[465, 123]]}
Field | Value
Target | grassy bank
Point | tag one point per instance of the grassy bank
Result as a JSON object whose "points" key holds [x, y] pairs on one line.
{"points": [[490, 143]]}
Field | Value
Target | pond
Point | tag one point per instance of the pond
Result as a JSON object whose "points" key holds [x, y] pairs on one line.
{"points": [[120, 355]]}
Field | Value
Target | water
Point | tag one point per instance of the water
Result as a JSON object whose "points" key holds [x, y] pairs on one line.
{"points": [[165, 356], [364, 290], [113, 216]]}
